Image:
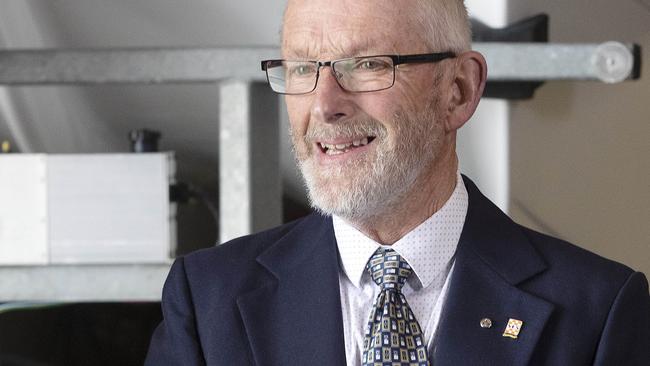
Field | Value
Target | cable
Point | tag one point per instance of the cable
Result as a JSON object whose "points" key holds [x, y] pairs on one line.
{"points": [[182, 192]]}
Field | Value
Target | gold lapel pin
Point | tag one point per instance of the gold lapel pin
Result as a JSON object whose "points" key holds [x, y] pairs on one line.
{"points": [[513, 328]]}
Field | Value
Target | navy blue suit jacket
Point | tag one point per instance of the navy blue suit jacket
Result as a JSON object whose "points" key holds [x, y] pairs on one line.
{"points": [[273, 299]]}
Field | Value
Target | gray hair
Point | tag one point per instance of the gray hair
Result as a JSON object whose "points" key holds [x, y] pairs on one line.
{"points": [[446, 24]]}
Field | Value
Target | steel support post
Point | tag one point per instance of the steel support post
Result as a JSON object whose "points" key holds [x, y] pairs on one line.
{"points": [[250, 194]]}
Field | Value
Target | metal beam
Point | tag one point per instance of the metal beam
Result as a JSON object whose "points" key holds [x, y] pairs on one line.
{"points": [[134, 65], [81, 283], [608, 62]]}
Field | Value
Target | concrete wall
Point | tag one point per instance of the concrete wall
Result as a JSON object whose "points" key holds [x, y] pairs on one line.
{"points": [[580, 151]]}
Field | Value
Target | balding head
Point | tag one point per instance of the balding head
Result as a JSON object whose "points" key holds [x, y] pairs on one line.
{"points": [[442, 25]]}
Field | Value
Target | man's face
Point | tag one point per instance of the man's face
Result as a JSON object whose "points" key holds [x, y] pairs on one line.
{"points": [[360, 153]]}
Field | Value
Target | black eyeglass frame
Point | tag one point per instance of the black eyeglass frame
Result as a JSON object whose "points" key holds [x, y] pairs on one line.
{"points": [[397, 60]]}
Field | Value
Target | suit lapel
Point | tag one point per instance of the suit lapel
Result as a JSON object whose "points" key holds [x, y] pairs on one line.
{"points": [[294, 317], [493, 257]]}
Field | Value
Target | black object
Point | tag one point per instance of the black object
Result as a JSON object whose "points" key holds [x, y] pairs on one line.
{"points": [[533, 29], [182, 193], [178, 193], [636, 72], [144, 141]]}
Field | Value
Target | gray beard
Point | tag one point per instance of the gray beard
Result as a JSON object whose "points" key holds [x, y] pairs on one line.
{"points": [[364, 189]]}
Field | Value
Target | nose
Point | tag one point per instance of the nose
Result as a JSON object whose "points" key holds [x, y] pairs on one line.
{"points": [[331, 103]]}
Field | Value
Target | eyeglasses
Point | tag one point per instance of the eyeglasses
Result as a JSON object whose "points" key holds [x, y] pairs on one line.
{"points": [[354, 74]]}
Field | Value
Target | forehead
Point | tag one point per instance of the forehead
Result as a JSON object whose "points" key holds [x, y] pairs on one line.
{"points": [[320, 29]]}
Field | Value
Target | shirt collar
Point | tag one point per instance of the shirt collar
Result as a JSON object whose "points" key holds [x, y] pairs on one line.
{"points": [[441, 233]]}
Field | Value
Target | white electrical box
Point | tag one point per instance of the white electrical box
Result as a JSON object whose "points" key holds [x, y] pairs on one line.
{"points": [[86, 209]]}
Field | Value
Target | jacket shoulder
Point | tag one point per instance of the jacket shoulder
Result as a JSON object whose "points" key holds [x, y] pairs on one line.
{"points": [[239, 251], [575, 268]]}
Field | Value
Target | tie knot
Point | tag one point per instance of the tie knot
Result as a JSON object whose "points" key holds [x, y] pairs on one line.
{"points": [[388, 269]]}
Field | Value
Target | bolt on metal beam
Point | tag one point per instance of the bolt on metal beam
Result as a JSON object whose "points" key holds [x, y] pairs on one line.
{"points": [[609, 62]]}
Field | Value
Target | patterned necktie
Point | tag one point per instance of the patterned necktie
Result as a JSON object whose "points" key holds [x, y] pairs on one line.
{"points": [[393, 336]]}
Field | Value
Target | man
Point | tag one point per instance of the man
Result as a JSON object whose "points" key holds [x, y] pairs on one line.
{"points": [[450, 281]]}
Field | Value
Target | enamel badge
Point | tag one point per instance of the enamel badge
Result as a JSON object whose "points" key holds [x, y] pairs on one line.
{"points": [[513, 328]]}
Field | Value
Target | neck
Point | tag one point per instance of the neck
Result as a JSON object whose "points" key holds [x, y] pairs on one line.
{"points": [[429, 193]]}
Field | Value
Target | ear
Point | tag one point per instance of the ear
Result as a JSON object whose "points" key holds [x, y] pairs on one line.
{"points": [[466, 89]]}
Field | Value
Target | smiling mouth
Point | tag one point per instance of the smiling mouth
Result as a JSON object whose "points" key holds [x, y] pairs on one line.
{"points": [[342, 148]]}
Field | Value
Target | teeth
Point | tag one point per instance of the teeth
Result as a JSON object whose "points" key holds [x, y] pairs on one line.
{"points": [[335, 149]]}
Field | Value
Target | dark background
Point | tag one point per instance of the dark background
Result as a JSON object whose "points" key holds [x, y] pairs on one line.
{"points": [[78, 334]]}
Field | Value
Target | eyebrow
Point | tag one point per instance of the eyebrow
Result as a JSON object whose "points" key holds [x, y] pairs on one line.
{"points": [[370, 47], [302, 51]]}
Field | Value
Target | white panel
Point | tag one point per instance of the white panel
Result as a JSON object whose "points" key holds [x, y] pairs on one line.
{"points": [[109, 208], [483, 146], [23, 210], [483, 141], [492, 13]]}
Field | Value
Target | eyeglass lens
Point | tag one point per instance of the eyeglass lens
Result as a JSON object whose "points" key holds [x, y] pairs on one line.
{"points": [[358, 74]]}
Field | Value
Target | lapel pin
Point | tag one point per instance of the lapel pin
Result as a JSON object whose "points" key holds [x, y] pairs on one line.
{"points": [[513, 328], [486, 323]]}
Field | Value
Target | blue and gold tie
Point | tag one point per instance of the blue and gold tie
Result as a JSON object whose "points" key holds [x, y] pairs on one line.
{"points": [[393, 336]]}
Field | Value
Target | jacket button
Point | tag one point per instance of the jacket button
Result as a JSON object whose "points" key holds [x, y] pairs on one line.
{"points": [[486, 323]]}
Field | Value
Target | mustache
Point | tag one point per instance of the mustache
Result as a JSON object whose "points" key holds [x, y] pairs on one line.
{"points": [[348, 129]]}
